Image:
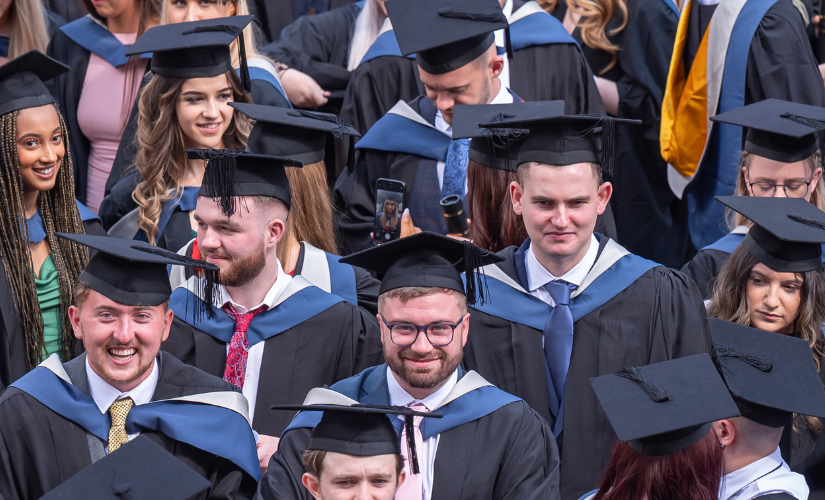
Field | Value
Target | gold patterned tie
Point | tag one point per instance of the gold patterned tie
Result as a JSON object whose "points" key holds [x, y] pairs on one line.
{"points": [[117, 433]]}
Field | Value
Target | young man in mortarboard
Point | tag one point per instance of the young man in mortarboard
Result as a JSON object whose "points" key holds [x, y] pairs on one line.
{"points": [[570, 304], [272, 335], [62, 417], [780, 158], [771, 377], [489, 444], [302, 135], [726, 55]]}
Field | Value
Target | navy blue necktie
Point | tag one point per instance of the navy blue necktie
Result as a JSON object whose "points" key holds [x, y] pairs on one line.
{"points": [[558, 337], [455, 168]]}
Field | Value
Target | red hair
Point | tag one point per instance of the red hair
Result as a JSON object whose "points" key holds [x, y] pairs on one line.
{"points": [[494, 224], [693, 473]]}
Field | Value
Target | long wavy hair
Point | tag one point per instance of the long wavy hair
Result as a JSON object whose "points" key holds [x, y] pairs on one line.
{"points": [[161, 157], [730, 303], [693, 473], [595, 16], [28, 27], [494, 224], [310, 217], [58, 210], [386, 220], [817, 196]]}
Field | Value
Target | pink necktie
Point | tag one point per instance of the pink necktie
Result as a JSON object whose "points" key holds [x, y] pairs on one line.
{"points": [[413, 487], [235, 370]]}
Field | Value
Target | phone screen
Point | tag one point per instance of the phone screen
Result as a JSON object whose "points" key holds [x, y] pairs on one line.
{"points": [[388, 208]]}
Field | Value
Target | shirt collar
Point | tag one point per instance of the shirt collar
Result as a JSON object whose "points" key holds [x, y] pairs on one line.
{"points": [[400, 397], [104, 394], [508, 9], [271, 297], [738, 479], [538, 276]]}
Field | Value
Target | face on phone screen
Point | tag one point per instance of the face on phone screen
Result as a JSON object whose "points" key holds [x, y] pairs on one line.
{"points": [[388, 209]]}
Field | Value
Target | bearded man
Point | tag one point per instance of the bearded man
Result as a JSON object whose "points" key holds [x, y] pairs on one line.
{"points": [[266, 325]]}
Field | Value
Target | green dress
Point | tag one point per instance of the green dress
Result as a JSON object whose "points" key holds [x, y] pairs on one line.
{"points": [[48, 294]]}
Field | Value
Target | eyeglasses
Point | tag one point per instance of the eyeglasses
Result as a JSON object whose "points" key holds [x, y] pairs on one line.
{"points": [[404, 334], [792, 189]]}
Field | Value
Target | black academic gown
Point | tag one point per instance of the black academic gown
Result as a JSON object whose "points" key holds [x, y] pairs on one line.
{"points": [[650, 220], [275, 15], [805, 453], [39, 449], [13, 364], [330, 346], [507, 454], [703, 269], [659, 316]]}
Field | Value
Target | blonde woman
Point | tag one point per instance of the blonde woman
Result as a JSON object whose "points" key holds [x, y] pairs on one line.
{"points": [[25, 25]]}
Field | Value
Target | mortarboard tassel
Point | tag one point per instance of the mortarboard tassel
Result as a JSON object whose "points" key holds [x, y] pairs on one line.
{"points": [[608, 146], [498, 138], [337, 132], [507, 43], [815, 124], [447, 12], [413, 453], [721, 352], [221, 177], [655, 392], [476, 281], [807, 222], [246, 82]]}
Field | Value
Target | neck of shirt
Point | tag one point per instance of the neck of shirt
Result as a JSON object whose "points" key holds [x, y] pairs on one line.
{"points": [[400, 397], [538, 275], [104, 394], [270, 298]]}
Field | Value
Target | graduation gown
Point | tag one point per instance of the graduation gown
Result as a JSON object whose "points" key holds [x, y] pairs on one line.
{"points": [[491, 444], [73, 45], [628, 312], [275, 15], [805, 453], [13, 364], [44, 444], [312, 338]]}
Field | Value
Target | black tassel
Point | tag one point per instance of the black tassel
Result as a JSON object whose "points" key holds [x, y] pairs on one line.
{"points": [[476, 281], [472, 16], [810, 122], [655, 392], [507, 44], [502, 138], [246, 81], [409, 426], [721, 352], [807, 222], [341, 126], [221, 177], [608, 146]]}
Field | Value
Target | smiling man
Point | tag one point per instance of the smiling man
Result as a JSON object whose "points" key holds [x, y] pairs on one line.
{"points": [[571, 304], [62, 417], [489, 444]]}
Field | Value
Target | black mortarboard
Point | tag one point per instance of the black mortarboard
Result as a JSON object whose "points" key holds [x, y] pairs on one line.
{"points": [[140, 469], [231, 173], [665, 407], [787, 232], [770, 376], [498, 148], [446, 35], [21, 81], [134, 272], [197, 49], [567, 139], [427, 260], [780, 130], [294, 133], [361, 430]]}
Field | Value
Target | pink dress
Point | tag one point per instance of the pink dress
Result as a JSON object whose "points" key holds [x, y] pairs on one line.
{"points": [[101, 115]]}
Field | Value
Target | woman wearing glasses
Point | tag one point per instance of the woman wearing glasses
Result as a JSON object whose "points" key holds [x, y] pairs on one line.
{"points": [[780, 159]]}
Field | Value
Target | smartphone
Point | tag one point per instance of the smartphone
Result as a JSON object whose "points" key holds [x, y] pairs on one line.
{"points": [[389, 205]]}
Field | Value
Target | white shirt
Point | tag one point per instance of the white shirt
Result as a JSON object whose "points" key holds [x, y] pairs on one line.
{"points": [[256, 352], [503, 97], [426, 457], [767, 475], [538, 276], [500, 42], [104, 394]]}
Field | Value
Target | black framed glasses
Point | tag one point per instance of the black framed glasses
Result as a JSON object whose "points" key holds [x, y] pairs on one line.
{"points": [[404, 334], [792, 189]]}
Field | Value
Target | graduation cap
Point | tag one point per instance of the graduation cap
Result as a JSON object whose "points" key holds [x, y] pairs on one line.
{"points": [[427, 260], [231, 173], [139, 469], [446, 35], [295, 133], [498, 148], [770, 376], [665, 407], [21, 81], [566, 139], [779, 130], [362, 430], [133, 273], [787, 232], [197, 49]]}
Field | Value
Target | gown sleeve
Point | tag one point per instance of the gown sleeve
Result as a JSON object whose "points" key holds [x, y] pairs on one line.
{"points": [[679, 327], [367, 289], [283, 479], [704, 268], [119, 202]]}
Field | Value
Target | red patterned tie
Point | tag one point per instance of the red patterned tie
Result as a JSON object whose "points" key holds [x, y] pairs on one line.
{"points": [[235, 370]]}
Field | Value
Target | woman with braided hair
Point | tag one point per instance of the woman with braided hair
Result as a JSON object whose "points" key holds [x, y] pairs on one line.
{"points": [[181, 107], [37, 187]]}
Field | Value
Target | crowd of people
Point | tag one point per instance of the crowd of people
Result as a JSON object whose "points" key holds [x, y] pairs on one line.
{"points": [[412, 249]]}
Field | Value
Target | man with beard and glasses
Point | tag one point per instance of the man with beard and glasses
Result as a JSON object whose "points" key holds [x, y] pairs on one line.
{"points": [[61, 418], [489, 444], [266, 325]]}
